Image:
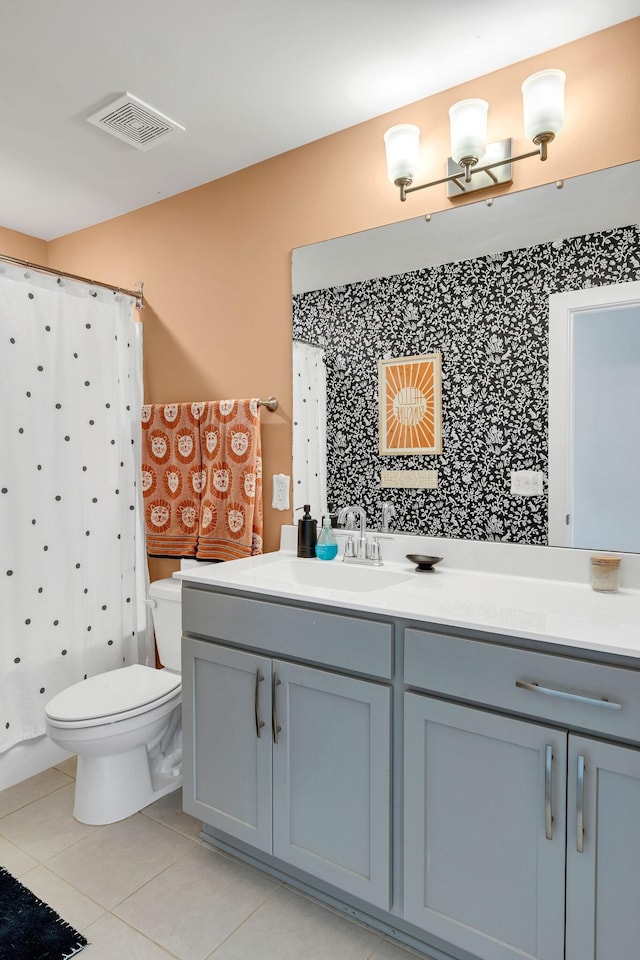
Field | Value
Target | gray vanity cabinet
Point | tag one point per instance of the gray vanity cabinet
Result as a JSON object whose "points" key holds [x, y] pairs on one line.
{"points": [[227, 772], [331, 779], [603, 851], [293, 760], [484, 831], [488, 858], [516, 775]]}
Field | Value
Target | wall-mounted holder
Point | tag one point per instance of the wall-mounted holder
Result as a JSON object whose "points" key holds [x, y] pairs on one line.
{"points": [[486, 175]]}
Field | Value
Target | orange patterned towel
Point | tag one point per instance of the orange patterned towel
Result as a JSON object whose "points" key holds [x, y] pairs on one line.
{"points": [[172, 477], [202, 479], [231, 508]]}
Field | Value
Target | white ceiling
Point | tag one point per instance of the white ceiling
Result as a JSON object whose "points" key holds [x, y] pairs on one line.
{"points": [[248, 79]]}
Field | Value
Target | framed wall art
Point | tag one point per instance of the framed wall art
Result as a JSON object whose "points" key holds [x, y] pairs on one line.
{"points": [[410, 404]]}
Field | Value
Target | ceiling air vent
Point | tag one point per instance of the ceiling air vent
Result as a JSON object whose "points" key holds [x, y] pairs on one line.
{"points": [[135, 122]]}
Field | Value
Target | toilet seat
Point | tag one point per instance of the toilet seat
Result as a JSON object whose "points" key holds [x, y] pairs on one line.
{"points": [[112, 696]]}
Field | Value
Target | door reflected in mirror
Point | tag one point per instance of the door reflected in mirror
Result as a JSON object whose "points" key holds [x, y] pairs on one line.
{"points": [[594, 418]]}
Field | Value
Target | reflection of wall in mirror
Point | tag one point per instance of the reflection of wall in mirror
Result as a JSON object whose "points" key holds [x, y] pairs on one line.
{"points": [[488, 317]]}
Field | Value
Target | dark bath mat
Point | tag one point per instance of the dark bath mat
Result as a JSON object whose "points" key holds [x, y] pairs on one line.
{"points": [[29, 929]]}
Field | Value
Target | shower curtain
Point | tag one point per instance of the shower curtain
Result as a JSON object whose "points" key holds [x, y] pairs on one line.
{"points": [[72, 567], [309, 428]]}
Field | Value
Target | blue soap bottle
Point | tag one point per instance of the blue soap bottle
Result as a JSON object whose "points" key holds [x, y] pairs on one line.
{"points": [[327, 545]]}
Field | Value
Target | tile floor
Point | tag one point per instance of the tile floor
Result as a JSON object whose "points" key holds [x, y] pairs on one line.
{"points": [[148, 889]]}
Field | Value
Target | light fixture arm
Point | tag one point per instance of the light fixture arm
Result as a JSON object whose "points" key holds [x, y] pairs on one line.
{"points": [[469, 169]]}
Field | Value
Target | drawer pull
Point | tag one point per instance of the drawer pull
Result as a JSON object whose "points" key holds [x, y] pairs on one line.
{"points": [[565, 695], [580, 806], [256, 705], [548, 770]]}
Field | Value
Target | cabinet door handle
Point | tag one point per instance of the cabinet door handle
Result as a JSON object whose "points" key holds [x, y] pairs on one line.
{"points": [[274, 714], [256, 706], [580, 806], [548, 772], [565, 695]]}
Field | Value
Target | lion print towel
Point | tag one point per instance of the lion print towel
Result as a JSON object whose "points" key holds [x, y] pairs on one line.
{"points": [[202, 479]]}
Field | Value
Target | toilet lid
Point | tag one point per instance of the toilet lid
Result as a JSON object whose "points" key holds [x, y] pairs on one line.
{"points": [[118, 691]]}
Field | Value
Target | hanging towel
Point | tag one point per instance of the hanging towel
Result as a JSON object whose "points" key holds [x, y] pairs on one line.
{"points": [[230, 524], [172, 477]]}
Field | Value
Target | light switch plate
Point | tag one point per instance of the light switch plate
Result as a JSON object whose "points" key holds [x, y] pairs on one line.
{"points": [[280, 497], [527, 483]]}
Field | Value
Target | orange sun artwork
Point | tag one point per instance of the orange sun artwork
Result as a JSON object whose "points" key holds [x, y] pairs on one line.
{"points": [[410, 396]]}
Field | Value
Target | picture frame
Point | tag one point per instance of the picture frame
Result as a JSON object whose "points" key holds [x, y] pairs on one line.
{"points": [[410, 405]]}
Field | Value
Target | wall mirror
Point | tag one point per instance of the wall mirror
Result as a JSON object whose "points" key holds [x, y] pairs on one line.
{"points": [[473, 283]]}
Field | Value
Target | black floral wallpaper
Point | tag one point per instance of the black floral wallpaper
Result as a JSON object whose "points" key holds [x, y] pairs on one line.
{"points": [[488, 318]]}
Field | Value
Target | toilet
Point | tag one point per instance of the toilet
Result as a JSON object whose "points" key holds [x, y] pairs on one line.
{"points": [[126, 725]]}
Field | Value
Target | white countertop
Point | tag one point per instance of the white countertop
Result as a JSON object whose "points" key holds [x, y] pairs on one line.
{"points": [[538, 608]]}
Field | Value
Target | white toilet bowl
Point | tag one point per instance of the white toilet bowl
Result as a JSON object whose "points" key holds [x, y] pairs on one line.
{"points": [[126, 725]]}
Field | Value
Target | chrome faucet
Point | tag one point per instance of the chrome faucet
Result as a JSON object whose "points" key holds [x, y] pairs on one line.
{"points": [[364, 551], [362, 540]]}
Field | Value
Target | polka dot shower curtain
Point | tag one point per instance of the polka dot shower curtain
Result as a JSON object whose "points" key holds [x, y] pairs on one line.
{"points": [[309, 428], [70, 543]]}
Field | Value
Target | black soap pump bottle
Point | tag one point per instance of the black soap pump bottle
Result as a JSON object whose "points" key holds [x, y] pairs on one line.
{"points": [[307, 533]]}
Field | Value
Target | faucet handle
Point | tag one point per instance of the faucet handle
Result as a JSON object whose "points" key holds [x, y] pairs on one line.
{"points": [[388, 511], [374, 551], [350, 521], [350, 547]]}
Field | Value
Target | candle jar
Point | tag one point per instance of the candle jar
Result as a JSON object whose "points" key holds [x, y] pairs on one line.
{"points": [[605, 574]]}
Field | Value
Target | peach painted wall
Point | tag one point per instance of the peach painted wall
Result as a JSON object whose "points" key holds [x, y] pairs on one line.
{"points": [[23, 247], [215, 260]]}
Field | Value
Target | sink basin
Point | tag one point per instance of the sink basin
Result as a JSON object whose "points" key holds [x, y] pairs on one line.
{"points": [[333, 575]]}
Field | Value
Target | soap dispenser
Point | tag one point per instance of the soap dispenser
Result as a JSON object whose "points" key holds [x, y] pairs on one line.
{"points": [[327, 545], [307, 533]]}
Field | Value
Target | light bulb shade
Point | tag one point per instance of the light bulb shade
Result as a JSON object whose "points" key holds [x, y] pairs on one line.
{"points": [[402, 144], [543, 104], [468, 129]]}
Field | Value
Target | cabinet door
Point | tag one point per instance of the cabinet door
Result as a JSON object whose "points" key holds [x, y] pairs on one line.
{"points": [[479, 869], [226, 751], [603, 851], [331, 780]]}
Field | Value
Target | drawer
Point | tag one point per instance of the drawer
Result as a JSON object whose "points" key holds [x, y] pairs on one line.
{"points": [[347, 643], [495, 675]]}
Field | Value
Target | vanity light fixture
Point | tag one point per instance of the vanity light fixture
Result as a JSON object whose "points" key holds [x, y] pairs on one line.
{"points": [[471, 156]]}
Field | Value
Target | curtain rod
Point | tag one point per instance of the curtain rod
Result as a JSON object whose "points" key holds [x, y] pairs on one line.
{"points": [[134, 294]]}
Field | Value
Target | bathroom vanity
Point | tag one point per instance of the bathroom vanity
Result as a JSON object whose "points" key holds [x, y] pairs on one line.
{"points": [[452, 757]]}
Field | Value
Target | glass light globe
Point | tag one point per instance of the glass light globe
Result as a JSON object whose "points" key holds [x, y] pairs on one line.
{"points": [[543, 103], [468, 129], [402, 144]]}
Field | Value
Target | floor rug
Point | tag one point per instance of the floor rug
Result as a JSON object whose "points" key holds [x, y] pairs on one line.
{"points": [[29, 929]]}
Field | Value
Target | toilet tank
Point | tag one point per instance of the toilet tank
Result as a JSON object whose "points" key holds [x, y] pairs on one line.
{"points": [[167, 621]]}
